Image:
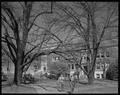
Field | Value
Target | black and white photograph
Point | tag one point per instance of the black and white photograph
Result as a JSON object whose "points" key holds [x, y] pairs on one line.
{"points": [[59, 47]]}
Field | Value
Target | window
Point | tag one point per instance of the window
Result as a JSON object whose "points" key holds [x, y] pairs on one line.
{"points": [[83, 59], [44, 68], [107, 54], [102, 55], [97, 76], [35, 66], [102, 75], [88, 59], [69, 65], [56, 58], [77, 66], [98, 56], [98, 66], [72, 66]]}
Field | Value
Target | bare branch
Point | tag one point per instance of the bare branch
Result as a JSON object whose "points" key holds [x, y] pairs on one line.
{"points": [[21, 5], [106, 25], [49, 32], [45, 12], [35, 46], [8, 54]]}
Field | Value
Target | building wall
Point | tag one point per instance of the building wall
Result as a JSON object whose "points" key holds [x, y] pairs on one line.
{"points": [[102, 59], [42, 66], [47, 60], [11, 68], [98, 74]]}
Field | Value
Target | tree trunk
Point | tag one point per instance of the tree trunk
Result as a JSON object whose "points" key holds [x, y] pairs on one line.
{"points": [[104, 74], [72, 83], [18, 70], [92, 67], [17, 75], [91, 78]]}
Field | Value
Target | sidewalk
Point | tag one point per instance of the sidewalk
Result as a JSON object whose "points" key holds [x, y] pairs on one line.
{"points": [[47, 90], [49, 87]]}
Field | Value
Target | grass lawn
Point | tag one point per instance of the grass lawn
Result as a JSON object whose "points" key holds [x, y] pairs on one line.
{"points": [[19, 89], [101, 90], [99, 86], [50, 86], [8, 87]]}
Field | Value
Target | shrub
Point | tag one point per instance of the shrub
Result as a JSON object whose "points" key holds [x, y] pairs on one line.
{"points": [[112, 72], [28, 78], [4, 77], [53, 75]]}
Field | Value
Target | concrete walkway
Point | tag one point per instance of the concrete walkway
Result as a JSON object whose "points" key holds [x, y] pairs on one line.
{"points": [[46, 90], [49, 87]]}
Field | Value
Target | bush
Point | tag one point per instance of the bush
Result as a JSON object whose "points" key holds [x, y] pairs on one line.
{"points": [[112, 72], [53, 75], [28, 78], [4, 77]]}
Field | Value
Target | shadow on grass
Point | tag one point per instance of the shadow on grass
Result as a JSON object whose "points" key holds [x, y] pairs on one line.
{"points": [[12, 88], [7, 84], [83, 83], [45, 87]]}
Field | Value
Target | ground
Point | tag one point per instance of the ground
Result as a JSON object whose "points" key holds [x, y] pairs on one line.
{"points": [[50, 86]]}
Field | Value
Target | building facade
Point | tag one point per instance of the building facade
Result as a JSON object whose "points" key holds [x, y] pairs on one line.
{"points": [[102, 64]]}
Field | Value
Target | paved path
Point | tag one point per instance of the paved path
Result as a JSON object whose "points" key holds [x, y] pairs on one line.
{"points": [[46, 90], [50, 87]]}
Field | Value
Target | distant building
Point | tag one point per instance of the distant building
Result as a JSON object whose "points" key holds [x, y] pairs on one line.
{"points": [[102, 64], [39, 66]]}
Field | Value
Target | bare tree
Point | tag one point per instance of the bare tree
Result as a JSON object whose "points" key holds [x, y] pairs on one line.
{"points": [[97, 34], [90, 22], [16, 31]]}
